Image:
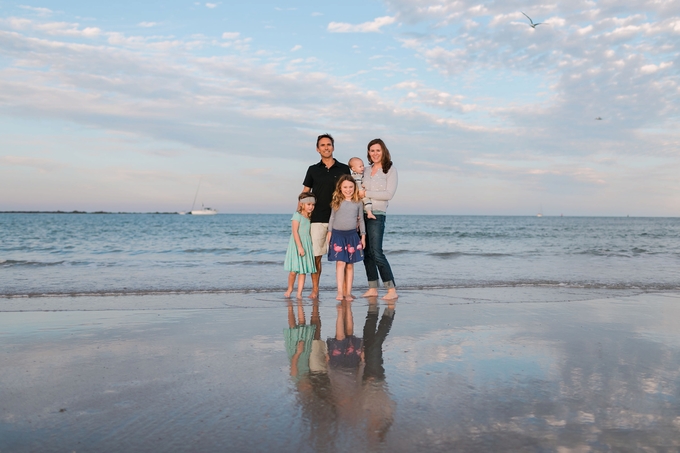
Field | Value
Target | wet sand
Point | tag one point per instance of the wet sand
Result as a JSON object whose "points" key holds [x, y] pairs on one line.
{"points": [[488, 369]]}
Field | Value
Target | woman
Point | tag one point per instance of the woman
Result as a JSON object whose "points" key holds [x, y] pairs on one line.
{"points": [[380, 184]]}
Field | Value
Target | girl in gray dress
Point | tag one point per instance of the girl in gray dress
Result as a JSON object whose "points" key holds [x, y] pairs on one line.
{"points": [[345, 246]]}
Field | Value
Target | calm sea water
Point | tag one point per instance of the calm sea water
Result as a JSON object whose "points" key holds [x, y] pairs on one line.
{"points": [[57, 254]]}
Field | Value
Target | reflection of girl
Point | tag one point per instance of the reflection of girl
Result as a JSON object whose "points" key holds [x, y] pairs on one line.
{"points": [[345, 349], [298, 338]]}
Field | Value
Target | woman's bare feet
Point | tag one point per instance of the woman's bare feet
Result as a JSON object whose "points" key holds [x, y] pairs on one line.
{"points": [[313, 295], [372, 292], [391, 294], [287, 293], [339, 296], [299, 295], [350, 297]]}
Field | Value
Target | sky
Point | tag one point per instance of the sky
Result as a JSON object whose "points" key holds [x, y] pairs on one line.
{"points": [[130, 106]]}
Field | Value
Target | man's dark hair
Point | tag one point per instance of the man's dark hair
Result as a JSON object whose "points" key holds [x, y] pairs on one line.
{"points": [[326, 135]]}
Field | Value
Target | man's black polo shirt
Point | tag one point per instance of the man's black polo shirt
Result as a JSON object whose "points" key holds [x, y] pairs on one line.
{"points": [[322, 182]]}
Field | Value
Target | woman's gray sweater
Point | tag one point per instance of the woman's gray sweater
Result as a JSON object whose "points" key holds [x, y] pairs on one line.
{"points": [[380, 188]]}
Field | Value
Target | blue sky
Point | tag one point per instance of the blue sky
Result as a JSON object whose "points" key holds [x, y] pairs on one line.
{"points": [[126, 106]]}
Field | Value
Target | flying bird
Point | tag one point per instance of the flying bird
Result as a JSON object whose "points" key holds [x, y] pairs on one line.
{"points": [[533, 25], [599, 118]]}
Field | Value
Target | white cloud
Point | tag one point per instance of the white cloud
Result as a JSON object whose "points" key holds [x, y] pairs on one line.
{"points": [[366, 27], [316, 14], [231, 35], [67, 29], [38, 10], [296, 48], [147, 24], [212, 5], [40, 164]]}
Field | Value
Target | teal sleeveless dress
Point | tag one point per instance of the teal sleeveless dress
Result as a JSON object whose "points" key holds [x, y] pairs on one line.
{"points": [[294, 262]]}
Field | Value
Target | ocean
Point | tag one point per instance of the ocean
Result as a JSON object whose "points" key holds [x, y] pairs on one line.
{"points": [[44, 255]]}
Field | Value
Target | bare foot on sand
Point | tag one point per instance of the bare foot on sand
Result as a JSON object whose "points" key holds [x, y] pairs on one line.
{"points": [[287, 293], [339, 297], [391, 294], [372, 292], [313, 295], [350, 297]]}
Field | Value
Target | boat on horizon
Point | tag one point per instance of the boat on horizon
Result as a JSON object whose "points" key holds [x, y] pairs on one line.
{"points": [[203, 211]]}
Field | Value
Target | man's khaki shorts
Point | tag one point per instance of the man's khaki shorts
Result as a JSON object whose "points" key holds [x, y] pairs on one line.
{"points": [[319, 232]]}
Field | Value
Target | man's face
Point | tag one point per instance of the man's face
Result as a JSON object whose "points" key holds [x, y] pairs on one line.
{"points": [[325, 148]]}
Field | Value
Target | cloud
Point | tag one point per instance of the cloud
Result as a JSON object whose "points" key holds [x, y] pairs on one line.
{"points": [[366, 27], [212, 5], [471, 96], [147, 24], [316, 14], [38, 10], [42, 165]]}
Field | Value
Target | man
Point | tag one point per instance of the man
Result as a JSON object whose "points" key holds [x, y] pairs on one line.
{"points": [[320, 180]]}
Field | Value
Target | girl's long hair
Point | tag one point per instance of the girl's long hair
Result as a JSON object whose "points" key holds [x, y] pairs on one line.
{"points": [[338, 197], [386, 160]]}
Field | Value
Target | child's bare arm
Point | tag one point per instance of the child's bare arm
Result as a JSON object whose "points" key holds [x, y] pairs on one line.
{"points": [[296, 236]]}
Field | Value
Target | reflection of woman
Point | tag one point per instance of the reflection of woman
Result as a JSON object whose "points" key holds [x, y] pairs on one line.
{"points": [[378, 406], [380, 184]]}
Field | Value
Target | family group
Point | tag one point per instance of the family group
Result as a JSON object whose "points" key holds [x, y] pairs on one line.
{"points": [[341, 213]]}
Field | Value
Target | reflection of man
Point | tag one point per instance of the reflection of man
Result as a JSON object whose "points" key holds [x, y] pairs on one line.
{"points": [[320, 180]]}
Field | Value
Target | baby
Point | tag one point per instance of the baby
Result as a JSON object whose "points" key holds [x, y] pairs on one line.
{"points": [[356, 167]]}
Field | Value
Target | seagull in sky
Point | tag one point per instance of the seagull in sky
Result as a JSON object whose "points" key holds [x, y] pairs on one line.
{"points": [[599, 118], [533, 25]]}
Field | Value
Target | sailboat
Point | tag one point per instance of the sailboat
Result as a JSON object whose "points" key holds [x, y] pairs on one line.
{"points": [[204, 209]]}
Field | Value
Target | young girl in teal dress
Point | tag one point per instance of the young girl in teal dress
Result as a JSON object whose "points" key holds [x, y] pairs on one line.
{"points": [[300, 254]]}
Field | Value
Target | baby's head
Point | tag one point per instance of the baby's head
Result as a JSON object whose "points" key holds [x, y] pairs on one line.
{"points": [[356, 165]]}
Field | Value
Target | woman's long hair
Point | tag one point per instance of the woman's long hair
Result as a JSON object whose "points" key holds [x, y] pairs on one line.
{"points": [[386, 160], [338, 197]]}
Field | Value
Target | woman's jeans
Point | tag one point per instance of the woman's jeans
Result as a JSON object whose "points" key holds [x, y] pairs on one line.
{"points": [[374, 258]]}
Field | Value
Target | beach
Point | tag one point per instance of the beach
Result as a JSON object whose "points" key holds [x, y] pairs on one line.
{"points": [[463, 369]]}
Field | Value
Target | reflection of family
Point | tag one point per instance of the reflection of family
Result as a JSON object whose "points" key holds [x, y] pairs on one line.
{"points": [[341, 213], [340, 383]]}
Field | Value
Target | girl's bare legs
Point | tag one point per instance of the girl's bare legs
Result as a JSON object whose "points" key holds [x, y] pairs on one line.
{"points": [[349, 279], [301, 285], [291, 315], [340, 322], [349, 318], [291, 281], [301, 313], [340, 278]]}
